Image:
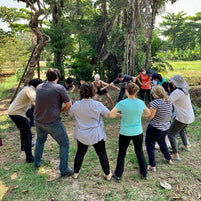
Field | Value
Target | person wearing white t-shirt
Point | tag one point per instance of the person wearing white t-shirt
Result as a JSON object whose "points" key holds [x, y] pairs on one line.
{"points": [[180, 99]]}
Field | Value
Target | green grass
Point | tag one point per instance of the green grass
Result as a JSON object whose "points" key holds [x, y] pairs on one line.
{"points": [[10, 83], [185, 68], [20, 181]]}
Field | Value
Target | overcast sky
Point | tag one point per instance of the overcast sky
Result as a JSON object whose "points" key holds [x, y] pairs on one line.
{"points": [[188, 6]]}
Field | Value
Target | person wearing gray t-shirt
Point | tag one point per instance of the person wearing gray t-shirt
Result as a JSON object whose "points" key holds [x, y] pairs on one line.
{"points": [[51, 99]]}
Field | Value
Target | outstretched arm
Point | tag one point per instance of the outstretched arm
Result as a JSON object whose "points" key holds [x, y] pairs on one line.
{"points": [[66, 106], [73, 87], [114, 86], [152, 113], [146, 112], [114, 113]]}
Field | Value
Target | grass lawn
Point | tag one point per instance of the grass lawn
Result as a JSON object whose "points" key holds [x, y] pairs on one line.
{"points": [[191, 70], [20, 181]]}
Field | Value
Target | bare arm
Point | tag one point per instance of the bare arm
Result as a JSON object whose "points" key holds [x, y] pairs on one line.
{"points": [[134, 79], [73, 87], [152, 113], [106, 85], [138, 79], [113, 113], [66, 106], [146, 112], [114, 86]]}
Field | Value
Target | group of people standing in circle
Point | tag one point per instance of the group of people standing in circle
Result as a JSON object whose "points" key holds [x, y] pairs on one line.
{"points": [[89, 113]]}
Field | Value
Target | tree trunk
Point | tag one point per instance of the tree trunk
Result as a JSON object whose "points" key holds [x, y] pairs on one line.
{"points": [[42, 39], [154, 5]]}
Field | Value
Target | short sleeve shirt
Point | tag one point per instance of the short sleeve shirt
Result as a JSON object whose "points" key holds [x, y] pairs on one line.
{"points": [[161, 120], [131, 110], [127, 78], [49, 99], [145, 79], [160, 83], [67, 88], [23, 101], [89, 128]]}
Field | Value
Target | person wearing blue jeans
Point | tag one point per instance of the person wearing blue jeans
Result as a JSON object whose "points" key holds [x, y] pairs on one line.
{"points": [[58, 133], [151, 139], [161, 111], [51, 99]]}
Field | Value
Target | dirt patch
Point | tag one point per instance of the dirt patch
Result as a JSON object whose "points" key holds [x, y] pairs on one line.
{"points": [[195, 93]]}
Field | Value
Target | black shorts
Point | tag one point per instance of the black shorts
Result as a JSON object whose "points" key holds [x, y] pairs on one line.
{"points": [[102, 92]]}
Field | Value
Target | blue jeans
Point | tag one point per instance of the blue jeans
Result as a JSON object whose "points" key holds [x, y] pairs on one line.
{"points": [[154, 135], [59, 134]]}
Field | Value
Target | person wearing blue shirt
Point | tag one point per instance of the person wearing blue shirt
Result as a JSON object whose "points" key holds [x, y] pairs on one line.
{"points": [[131, 110], [68, 84], [122, 80]]}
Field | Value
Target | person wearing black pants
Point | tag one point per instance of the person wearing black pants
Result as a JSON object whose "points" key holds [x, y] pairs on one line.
{"points": [[101, 152], [131, 110], [124, 142], [17, 112], [89, 129], [25, 135]]}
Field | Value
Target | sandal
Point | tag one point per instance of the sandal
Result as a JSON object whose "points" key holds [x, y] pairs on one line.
{"points": [[150, 168], [189, 150], [108, 177], [76, 175]]}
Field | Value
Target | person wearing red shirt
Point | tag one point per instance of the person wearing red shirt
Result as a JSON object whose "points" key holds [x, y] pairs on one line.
{"points": [[145, 83]]}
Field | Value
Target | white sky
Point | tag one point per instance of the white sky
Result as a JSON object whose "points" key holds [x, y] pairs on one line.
{"points": [[188, 6]]}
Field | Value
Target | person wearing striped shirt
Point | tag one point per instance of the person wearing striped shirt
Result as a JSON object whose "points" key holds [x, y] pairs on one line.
{"points": [[161, 111]]}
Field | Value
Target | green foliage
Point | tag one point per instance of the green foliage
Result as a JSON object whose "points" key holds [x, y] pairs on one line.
{"points": [[183, 32], [187, 55], [14, 53], [6, 86], [159, 65], [19, 72], [80, 67]]}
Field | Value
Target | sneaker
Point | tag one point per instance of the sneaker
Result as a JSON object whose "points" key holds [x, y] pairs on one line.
{"points": [[30, 160], [143, 177], [68, 173], [118, 179]]}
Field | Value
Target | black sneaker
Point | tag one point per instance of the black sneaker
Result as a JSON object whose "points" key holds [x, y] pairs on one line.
{"points": [[68, 173], [118, 179], [30, 160], [143, 177]]}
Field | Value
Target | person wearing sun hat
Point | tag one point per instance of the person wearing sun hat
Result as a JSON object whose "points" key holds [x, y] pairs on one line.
{"points": [[180, 99]]}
